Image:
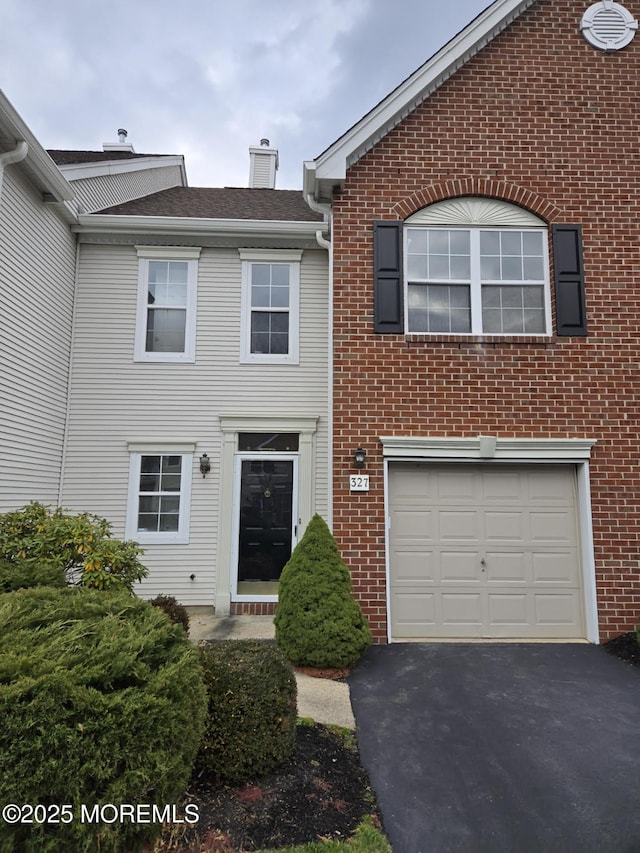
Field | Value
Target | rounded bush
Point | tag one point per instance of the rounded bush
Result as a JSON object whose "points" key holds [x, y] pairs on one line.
{"points": [[176, 612], [318, 622], [102, 701], [251, 721], [79, 544], [20, 574]]}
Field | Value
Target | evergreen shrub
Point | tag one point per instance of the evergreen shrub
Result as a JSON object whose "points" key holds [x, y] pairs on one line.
{"points": [[37, 536], [318, 622], [23, 575], [251, 721], [102, 701], [176, 612]]}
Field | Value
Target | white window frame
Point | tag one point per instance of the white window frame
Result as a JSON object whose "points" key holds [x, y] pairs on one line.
{"points": [[173, 537], [270, 256], [189, 255], [474, 215]]}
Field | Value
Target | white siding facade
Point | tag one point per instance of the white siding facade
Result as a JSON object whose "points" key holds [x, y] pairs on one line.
{"points": [[102, 191], [37, 272], [117, 402]]}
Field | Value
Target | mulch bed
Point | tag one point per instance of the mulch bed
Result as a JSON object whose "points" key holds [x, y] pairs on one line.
{"points": [[322, 792], [626, 647]]}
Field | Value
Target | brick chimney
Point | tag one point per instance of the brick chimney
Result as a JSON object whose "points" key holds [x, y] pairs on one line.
{"points": [[263, 165]]}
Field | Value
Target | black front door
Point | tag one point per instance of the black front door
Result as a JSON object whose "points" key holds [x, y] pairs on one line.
{"points": [[266, 519]]}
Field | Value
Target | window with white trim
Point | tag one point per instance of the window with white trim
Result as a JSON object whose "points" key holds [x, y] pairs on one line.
{"points": [[480, 279], [159, 497], [270, 306], [167, 283]]}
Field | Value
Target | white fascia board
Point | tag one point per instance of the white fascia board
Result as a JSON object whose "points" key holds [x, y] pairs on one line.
{"points": [[332, 164], [38, 163], [78, 171], [487, 448], [113, 224]]}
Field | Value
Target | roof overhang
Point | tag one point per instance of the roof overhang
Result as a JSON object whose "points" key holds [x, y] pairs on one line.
{"points": [[38, 165], [329, 169], [80, 171], [212, 232]]}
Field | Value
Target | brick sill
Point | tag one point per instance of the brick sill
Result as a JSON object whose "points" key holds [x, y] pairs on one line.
{"points": [[483, 340]]}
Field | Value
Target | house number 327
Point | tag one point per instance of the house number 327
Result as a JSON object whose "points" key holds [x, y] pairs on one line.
{"points": [[359, 482]]}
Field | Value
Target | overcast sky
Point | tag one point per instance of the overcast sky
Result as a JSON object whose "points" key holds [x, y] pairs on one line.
{"points": [[209, 78]]}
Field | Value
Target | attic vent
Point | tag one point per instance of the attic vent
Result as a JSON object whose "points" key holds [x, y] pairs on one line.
{"points": [[608, 25]]}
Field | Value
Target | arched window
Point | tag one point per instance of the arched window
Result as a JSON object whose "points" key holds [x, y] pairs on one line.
{"points": [[476, 266]]}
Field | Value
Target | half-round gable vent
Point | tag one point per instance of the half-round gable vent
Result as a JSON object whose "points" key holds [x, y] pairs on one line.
{"points": [[608, 25]]}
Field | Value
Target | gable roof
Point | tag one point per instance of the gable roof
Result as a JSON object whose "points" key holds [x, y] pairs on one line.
{"points": [[66, 158], [330, 168], [220, 203]]}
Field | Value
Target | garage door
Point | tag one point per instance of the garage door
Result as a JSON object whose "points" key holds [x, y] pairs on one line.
{"points": [[484, 551]]}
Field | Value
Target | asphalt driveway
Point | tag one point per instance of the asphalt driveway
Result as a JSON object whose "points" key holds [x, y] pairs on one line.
{"points": [[501, 747]]}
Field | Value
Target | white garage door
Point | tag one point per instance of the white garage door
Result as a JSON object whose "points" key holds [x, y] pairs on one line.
{"points": [[484, 550]]}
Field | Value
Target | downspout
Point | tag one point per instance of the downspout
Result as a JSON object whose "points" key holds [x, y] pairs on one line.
{"points": [[15, 156], [72, 340], [328, 244], [324, 243]]}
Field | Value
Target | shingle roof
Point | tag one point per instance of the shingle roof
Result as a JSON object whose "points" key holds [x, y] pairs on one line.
{"points": [[68, 158], [221, 203]]}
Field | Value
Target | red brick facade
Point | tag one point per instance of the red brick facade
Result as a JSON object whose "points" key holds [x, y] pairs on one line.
{"points": [[542, 119]]}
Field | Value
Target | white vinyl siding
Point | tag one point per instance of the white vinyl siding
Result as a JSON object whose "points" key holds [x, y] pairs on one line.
{"points": [[103, 191], [37, 269], [116, 401]]}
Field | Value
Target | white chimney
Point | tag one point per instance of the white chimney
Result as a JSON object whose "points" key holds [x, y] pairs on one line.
{"points": [[121, 144], [263, 165]]}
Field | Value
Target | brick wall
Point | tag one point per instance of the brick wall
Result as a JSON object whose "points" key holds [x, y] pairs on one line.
{"points": [[542, 119]]}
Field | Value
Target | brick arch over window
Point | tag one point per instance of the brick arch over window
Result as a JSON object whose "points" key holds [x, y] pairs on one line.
{"points": [[392, 302], [487, 187]]}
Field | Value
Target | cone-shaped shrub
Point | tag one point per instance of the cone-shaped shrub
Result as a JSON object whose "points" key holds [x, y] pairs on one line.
{"points": [[318, 622], [102, 701]]}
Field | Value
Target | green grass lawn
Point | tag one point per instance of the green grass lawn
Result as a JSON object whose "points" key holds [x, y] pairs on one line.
{"points": [[367, 839]]}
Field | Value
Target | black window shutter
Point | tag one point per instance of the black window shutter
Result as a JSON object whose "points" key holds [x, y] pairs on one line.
{"points": [[571, 316], [387, 259]]}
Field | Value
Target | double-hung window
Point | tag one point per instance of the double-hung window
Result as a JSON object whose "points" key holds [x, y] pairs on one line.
{"points": [[167, 284], [270, 306], [159, 495], [480, 279]]}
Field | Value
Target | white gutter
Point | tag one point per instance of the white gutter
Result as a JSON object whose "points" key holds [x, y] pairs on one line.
{"points": [[15, 156], [41, 167], [96, 223]]}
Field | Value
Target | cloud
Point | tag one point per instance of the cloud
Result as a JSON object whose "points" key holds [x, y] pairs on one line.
{"points": [[209, 78]]}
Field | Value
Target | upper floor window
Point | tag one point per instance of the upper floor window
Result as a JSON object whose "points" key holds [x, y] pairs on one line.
{"points": [[270, 306], [166, 303], [490, 278]]}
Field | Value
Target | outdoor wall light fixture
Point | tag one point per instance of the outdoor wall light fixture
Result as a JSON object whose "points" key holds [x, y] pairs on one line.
{"points": [[205, 465], [359, 456]]}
